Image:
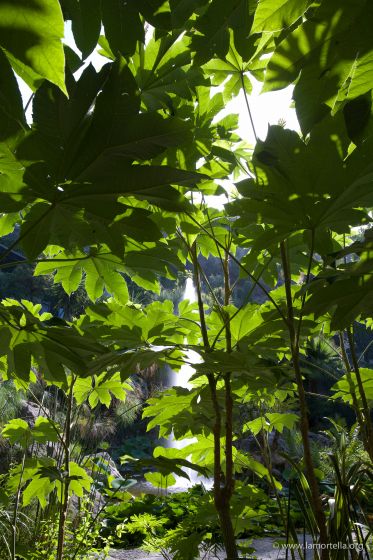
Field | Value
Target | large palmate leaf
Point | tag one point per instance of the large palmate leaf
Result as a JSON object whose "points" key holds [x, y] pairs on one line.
{"points": [[149, 134], [145, 266], [176, 410], [164, 73], [118, 101], [103, 221], [213, 27], [115, 177], [272, 421], [344, 291], [86, 23], [123, 26], [274, 15], [305, 186], [124, 23], [31, 34], [232, 71], [342, 389], [133, 327], [18, 431], [182, 10], [11, 107], [46, 477], [334, 62], [100, 389], [28, 337], [70, 142], [345, 297], [102, 271]]}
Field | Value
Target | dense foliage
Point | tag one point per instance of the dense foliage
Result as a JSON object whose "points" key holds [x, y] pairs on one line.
{"points": [[107, 189]]}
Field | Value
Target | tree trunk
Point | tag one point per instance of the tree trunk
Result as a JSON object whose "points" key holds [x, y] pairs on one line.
{"points": [[227, 531]]}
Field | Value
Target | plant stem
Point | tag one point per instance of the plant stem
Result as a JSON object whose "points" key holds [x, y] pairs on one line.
{"points": [[351, 385], [222, 494], [367, 426], [66, 483], [16, 505], [226, 492], [304, 424]]}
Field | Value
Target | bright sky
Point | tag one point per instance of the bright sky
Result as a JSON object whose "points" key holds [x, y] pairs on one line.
{"points": [[266, 109]]}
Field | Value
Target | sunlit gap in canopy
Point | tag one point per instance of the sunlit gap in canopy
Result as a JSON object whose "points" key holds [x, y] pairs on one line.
{"points": [[269, 108]]}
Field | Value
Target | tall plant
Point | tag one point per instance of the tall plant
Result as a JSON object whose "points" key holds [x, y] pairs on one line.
{"points": [[123, 156]]}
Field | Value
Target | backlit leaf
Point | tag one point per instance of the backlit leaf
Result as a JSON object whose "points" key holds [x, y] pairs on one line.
{"points": [[31, 32]]}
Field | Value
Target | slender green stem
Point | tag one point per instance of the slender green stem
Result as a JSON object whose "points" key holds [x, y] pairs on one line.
{"points": [[16, 504], [248, 107], [66, 483], [346, 362], [368, 428]]}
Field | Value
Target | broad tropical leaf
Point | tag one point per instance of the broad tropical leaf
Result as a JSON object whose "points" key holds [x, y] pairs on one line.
{"points": [[31, 34]]}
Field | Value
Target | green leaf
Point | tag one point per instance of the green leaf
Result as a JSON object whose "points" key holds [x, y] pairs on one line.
{"points": [[86, 23], [40, 488], [278, 421], [258, 468], [100, 273], [112, 177], [342, 389], [122, 484], [299, 191], [213, 27], [182, 10], [169, 465], [11, 107], [36, 229], [345, 298], [156, 12], [100, 389], [164, 410], [31, 34], [148, 135], [79, 480], [22, 360], [44, 430], [255, 426], [4, 498], [144, 267], [118, 100], [334, 61], [274, 15], [73, 60], [17, 431], [123, 26], [159, 480]]}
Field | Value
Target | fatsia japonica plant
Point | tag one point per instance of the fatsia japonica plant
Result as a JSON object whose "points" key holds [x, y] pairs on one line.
{"points": [[109, 182]]}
